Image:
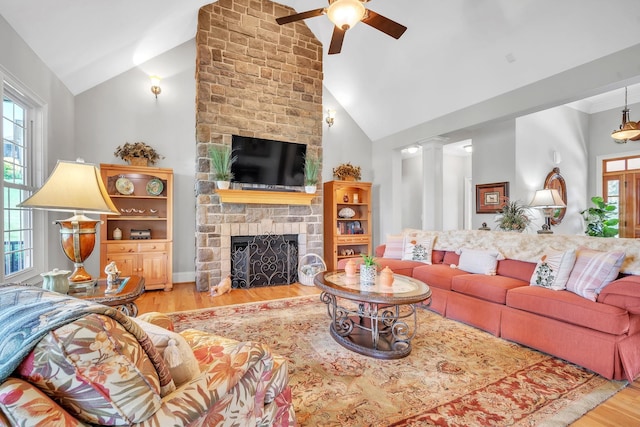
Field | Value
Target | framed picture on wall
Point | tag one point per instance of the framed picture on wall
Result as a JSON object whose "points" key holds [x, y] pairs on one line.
{"points": [[491, 197]]}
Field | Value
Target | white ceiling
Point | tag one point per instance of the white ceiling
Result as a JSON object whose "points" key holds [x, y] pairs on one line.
{"points": [[455, 53]]}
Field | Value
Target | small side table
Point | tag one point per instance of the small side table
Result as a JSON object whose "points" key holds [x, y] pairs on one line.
{"points": [[128, 290]]}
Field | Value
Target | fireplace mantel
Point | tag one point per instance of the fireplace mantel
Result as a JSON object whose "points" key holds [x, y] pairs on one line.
{"points": [[265, 197]]}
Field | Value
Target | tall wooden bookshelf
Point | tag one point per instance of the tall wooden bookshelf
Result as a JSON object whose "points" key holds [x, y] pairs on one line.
{"points": [[346, 236], [144, 197]]}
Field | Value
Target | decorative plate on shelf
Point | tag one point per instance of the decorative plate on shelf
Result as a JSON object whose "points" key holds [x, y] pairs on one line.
{"points": [[155, 187], [124, 186], [346, 213]]}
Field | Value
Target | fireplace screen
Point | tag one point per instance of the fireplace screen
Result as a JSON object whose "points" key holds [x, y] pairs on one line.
{"points": [[267, 260]]}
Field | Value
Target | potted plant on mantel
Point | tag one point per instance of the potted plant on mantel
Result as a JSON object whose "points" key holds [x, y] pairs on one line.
{"points": [[138, 154], [221, 160], [311, 171]]}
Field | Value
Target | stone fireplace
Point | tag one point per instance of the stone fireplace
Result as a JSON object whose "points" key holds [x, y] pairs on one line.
{"points": [[259, 79]]}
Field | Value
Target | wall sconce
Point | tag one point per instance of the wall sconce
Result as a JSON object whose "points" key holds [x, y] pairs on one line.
{"points": [[331, 116], [155, 86], [468, 148]]}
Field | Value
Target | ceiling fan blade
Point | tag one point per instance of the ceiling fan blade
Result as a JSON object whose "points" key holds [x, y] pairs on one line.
{"points": [[336, 40], [386, 25], [300, 16]]}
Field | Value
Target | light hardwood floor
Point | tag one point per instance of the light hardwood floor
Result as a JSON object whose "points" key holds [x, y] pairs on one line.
{"points": [[623, 409]]}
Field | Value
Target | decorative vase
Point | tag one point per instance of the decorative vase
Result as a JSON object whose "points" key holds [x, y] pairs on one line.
{"points": [[350, 268], [386, 277], [223, 185], [310, 189], [56, 280], [138, 161], [117, 234], [367, 274]]}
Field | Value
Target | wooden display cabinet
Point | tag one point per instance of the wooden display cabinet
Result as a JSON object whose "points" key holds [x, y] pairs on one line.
{"points": [[346, 237], [144, 197]]}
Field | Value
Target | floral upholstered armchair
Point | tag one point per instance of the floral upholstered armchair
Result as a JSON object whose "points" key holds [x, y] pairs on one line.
{"points": [[69, 362]]}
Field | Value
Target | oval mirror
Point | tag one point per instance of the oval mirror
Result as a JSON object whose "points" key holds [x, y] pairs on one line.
{"points": [[555, 180]]}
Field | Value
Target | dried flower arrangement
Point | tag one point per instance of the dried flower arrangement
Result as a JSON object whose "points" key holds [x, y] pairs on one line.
{"points": [[130, 150], [347, 172]]}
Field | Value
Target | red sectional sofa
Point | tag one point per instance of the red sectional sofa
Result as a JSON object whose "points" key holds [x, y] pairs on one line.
{"points": [[603, 336]]}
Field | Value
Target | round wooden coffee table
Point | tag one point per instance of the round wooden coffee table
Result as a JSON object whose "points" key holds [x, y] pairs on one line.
{"points": [[372, 319]]}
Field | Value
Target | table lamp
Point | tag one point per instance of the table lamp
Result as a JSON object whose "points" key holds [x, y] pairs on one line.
{"points": [[75, 187], [547, 199]]}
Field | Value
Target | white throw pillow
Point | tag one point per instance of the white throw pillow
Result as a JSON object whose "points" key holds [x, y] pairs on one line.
{"points": [[553, 269], [417, 248], [393, 246], [175, 351], [593, 271], [479, 261]]}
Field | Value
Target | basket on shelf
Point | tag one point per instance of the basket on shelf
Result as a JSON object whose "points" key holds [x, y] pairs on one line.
{"points": [[308, 266]]}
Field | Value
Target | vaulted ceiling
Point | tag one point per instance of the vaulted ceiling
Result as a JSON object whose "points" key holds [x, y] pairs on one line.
{"points": [[455, 53]]}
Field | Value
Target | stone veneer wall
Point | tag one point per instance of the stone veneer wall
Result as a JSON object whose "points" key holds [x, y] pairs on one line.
{"points": [[254, 78]]}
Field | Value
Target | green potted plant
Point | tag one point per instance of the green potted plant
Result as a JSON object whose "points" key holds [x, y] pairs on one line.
{"points": [[600, 219], [513, 217], [221, 160], [137, 154], [368, 269], [311, 173]]}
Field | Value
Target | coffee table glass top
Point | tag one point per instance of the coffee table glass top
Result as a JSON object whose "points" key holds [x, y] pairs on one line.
{"points": [[400, 284], [403, 290]]}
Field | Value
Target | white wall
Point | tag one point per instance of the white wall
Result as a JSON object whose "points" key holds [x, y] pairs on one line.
{"points": [[456, 168], [123, 109], [343, 142], [412, 192], [565, 131], [494, 161], [577, 83], [601, 144], [21, 64]]}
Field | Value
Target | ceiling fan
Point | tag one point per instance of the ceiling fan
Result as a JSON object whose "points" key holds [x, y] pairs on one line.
{"points": [[344, 14]]}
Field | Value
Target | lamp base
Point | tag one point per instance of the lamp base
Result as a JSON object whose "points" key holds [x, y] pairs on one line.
{"points": [[546, 229]]}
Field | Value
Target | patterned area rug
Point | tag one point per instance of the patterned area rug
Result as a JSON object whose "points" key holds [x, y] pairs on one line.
{"points": [[455, 375]]}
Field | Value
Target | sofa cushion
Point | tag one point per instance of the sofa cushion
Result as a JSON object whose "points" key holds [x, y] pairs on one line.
{"points": [[437, 256], [394, 246], [488, 288], [593, 271], [515, 269], [96, 370], [571, 308], [398, 266], [479, 261], [417, 248], [450, 257], [553, 269], [437, 275]]}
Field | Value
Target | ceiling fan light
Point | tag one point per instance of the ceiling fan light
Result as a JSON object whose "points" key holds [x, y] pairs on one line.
{"points": [[346, 13]]}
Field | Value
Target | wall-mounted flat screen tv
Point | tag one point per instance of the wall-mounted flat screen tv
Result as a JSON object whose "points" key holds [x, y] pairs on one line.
{"points": [[267, 162]]}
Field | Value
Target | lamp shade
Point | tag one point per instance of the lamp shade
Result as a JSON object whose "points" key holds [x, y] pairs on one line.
{"points": [[547, 198], [73, 187], [346, 13]]}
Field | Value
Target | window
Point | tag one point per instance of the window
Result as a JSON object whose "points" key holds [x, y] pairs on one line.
{"points": [[20, 151]]}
